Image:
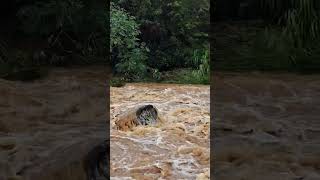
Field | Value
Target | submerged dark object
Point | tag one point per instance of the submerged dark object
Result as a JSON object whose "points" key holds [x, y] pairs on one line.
{"points": [[147, 115], [144, 115], [97, 162]]}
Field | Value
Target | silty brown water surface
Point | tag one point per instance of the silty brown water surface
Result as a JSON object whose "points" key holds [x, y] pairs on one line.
{"points": [[177, 148]]}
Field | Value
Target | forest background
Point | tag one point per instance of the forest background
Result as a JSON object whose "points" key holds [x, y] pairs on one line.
{"points": [[159, 41]]}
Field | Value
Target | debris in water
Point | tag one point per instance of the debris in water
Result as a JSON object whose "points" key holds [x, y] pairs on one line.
{"points": [[144, 115], [147, 115]]}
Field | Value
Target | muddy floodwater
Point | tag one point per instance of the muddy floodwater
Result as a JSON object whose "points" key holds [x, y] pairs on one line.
{"points": [[266, 126], [176, 148], [48, 126]]}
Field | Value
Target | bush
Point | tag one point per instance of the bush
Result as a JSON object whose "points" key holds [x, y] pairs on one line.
{"points": [[128, 55], [117, 82], [274, 49], [66, 28], [202, 74], [171, 29], [300, 18]]}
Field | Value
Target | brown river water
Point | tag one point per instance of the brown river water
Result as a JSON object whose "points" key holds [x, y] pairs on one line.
{"points": [[48, 126], [176, 148], [264, 127]]}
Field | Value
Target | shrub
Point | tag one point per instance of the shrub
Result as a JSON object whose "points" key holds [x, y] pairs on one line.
{"points": [[300, 18], [128, 55], [117, 82], [202, 73], [180, 24], [274, 49], [69, 27]]}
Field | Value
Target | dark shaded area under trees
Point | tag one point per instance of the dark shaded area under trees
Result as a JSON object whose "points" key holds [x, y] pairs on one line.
{"points": [[151, 37], [37, 34], [266, 35]]}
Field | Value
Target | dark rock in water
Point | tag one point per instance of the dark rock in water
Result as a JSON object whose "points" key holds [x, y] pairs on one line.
{"points": [[144, 115], [147, 115], [97, 162]]}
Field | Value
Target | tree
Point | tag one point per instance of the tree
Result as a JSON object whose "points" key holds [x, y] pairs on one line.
{"points": [[128, 56]]}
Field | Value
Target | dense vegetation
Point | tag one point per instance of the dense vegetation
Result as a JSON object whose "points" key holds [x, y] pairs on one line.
{"points": [[152, 37], [36, 34], [156, 40], [287, 38], [146, 39]]}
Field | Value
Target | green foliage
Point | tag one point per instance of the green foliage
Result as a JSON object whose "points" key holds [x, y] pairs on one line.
{"points": [[19, 66], [129, 55], [156, 74], [68, 32], [170, 32], [117, 82], [69, 27], [131, 65], [183, 26], [273, 50], [300, 18], [202, 74], [124, 29], [296, 44], [278, 51], [45, 17]]}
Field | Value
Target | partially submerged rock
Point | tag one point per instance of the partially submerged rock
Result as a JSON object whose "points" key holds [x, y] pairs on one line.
{"points": [[87, 159], [144, 115], [97, 162]]}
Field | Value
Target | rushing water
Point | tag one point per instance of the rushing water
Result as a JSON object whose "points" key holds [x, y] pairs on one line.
{"points": [[177, 148], [48, 126], [266, 126]]}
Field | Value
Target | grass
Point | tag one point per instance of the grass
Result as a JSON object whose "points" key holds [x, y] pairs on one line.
{"points": [[241, 47], [184, 76], [177, 76], [117, 82]]}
